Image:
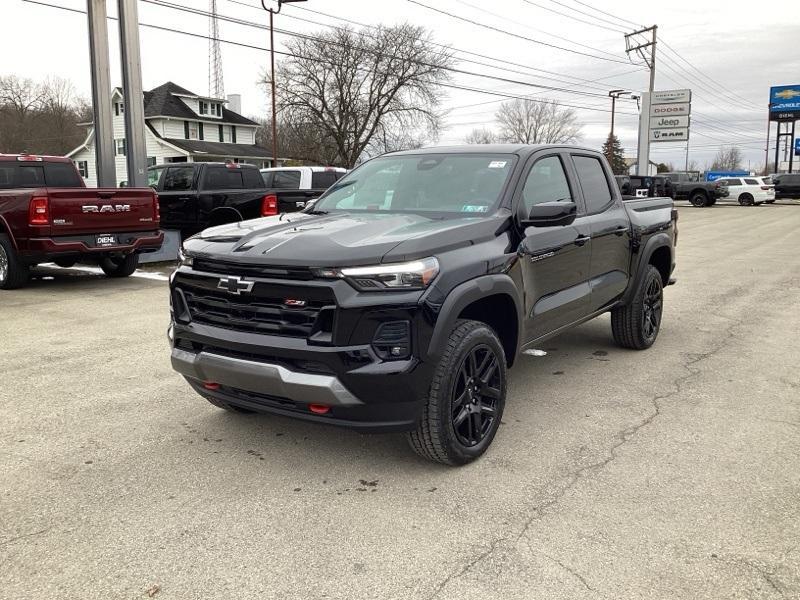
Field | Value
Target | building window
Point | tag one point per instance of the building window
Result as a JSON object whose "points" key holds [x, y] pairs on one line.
{"points": [[200, 130], [233, 134], [120, 147], [151, 161], [119, 108], [192, 131], [186, 129], [218, 110], [221, 133], [83, 168], [203, 108]]}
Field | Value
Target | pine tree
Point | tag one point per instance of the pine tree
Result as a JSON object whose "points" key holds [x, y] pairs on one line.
{"points": [[612, 149]]}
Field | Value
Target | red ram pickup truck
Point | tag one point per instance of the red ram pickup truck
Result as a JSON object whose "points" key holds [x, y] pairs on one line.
{"points": [[47, 214]]}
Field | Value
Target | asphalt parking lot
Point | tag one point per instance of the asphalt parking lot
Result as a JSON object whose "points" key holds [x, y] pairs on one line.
{"points": [[672, 473]]}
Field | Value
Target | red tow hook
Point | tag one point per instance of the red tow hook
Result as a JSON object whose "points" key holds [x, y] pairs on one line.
{"points": [[211, 385], [319, 409]]}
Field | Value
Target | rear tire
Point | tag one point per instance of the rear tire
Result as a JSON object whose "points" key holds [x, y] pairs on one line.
{"points": [[746, 200], [466, 399], [119, 266], [699, 199], [13, 273], [637, 324]]}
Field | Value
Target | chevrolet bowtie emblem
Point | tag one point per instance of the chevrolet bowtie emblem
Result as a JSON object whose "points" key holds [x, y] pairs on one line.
{"points": [[235, 285], [788, 94]]}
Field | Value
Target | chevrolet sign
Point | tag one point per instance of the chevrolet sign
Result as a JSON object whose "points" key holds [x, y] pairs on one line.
{"points": [[784, 103]]}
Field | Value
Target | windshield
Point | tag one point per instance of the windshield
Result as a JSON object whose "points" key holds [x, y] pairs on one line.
{"points": [[430, 183]]}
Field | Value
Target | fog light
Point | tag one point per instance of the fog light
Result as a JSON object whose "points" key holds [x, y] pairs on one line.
{"points": [[393, 340], [319, 409]]}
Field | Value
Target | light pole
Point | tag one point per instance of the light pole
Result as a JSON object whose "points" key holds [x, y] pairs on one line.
{"points": [[272, 12], [614, 94]]}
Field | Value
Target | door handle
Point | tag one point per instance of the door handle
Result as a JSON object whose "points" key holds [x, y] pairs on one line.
{"points": [[621, 230], [581, 240]]}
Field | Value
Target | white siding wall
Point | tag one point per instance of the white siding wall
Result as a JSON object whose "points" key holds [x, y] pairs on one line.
{"points": [[245, 135], [172, 128]]}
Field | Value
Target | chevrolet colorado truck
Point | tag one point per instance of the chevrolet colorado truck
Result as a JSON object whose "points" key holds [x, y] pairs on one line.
{"points": [[47, 214], [194, 196], [687, 186], [398, 301], [296, 187]]}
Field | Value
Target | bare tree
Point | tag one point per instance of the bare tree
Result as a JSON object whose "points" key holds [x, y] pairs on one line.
{"points": [[365, 92], [524, 121], [40, 117], [481, 135], [728, 159]]}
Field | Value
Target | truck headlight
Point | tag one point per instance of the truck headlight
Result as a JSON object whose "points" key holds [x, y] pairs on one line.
{"points": [[184, 260], [415, 275]]}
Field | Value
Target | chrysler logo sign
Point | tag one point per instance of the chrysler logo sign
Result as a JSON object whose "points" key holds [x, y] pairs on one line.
{"points": [[235, 285]]}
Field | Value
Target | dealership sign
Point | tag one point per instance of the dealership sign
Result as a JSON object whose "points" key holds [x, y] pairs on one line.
{"points": [[669, 115], [784, 103], [671, 97]]}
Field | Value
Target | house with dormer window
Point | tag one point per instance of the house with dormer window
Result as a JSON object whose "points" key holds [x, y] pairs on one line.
{"points": [[181, 126]]}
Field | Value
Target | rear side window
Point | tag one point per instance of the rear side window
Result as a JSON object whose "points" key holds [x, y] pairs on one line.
{"points": [[322, 180], [751, 182], [594, 183], [268, 177], [286, 180], [62, 175], [223, 179], [178, 179], [253, 179], [734, 182]]}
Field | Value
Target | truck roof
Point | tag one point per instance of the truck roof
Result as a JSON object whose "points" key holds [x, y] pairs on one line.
{"points": [[199, 164], [521, 149]]}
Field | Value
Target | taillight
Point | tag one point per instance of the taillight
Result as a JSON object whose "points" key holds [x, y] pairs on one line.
{"points": [[765, 187], [156, 210], [269, 205], [39, 211]]}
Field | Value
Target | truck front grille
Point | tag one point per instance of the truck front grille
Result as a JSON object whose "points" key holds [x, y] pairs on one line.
{"points": [[269, 309]]}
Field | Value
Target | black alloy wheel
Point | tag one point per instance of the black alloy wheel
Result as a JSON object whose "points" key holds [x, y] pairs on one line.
{"points": [[652, 307], [476, 391]]}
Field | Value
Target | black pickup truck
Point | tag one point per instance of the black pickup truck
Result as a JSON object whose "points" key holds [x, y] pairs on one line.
{"points": [[399, 299], [687, 186], [193, 196]]}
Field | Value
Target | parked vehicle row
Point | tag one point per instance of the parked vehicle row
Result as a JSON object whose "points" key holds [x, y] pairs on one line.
{"points": [[47, 214], [687, 186], [787, 185], [398, 301]]}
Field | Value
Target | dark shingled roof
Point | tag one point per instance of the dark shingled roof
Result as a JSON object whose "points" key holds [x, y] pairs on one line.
{"points": [[161, 101], [220, 148]]}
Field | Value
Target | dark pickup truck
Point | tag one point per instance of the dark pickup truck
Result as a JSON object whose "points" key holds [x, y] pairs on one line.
{"points": [[787, 185], [687, 186], [47, 214], [194, 196], [399, 299]]}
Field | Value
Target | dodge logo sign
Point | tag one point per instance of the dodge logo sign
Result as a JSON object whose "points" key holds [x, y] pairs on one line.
{"points": [[235, 285]]}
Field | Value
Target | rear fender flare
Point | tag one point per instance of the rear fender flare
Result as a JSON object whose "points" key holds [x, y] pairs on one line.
{"points": [[660, 240], [462, 296]]}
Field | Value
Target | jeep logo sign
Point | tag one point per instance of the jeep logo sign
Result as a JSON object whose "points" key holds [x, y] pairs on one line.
{"points": [[669, 122]]}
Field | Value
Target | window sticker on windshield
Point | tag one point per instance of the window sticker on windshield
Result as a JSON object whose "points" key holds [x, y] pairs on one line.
{"points": [[474, 208], [498, 164]]}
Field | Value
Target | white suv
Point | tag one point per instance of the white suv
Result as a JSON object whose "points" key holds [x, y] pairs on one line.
{"points": [[749, 191]]}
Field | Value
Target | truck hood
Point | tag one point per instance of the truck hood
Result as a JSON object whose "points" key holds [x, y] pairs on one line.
{"points": [[340, 239]]}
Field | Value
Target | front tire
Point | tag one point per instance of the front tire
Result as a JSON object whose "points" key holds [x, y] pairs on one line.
{"points": [[637, 324], [123, 266], [466, 399], [13, 273]]}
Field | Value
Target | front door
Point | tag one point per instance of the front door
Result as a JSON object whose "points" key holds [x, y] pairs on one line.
{"points": [[554, 260], [176, 198]]}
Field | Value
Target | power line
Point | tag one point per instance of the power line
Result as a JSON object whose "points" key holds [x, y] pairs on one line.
{"points": [[552, 10], [608, 14], [244, 22], [616, 25], [453, 48], [515, 35]]}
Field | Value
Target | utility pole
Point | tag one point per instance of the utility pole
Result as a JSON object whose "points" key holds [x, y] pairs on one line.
{"points": [[101, 94], [136, 150], [614, 94], [638, 46], [272, 12]]}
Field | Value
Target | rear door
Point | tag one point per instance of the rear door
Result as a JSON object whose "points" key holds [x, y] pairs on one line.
{"points": [[177, 197], [735, 187], [610, 231], [554, 260]]}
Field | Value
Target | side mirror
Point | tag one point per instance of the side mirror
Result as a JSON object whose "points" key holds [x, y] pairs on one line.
{"points": [[551, 214]]}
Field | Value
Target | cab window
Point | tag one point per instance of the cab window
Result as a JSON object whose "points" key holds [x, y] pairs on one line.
{"points": [[546, 182], [594, 183]]}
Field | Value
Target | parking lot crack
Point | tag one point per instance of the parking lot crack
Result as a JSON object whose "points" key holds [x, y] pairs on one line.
{"points": [[24, 536]]}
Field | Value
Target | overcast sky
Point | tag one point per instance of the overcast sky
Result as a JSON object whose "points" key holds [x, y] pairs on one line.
{"points": [[728, 52]]}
